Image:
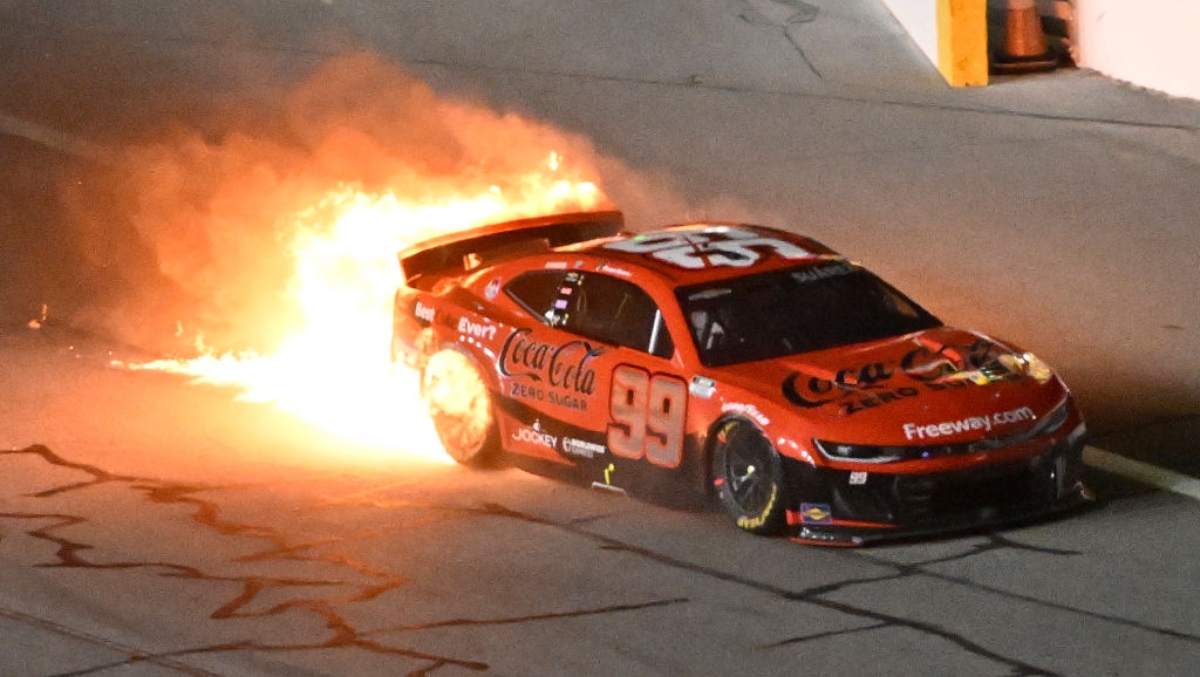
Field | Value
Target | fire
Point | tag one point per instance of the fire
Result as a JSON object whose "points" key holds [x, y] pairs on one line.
{"points": [[332, 368], [459, 401]]}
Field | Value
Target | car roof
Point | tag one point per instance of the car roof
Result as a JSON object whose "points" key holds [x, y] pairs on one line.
{"points": [[699, 252]]}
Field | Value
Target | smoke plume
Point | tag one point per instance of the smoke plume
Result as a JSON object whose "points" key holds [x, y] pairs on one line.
{"points": [[187, 235]]}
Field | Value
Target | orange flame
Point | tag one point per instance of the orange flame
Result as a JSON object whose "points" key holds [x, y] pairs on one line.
{"points": [[332, 368]]}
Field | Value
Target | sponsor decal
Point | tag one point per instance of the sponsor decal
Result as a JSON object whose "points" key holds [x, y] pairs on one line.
{"points": [[567, 400], [928, 431], [702, 387], [483, 331], [423, 312], [614, 270], [716, 246], [536, 436], [524, 391], [816, 513], [723, 431], [562, 373], [748, 410], [582, 448], [556, 265], [981, 362], [755, 522], [822, 272], [492, 289], [857, 388]]}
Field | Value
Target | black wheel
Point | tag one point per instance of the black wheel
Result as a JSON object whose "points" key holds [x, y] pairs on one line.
{"points": [[461, 408], [747, 475]]}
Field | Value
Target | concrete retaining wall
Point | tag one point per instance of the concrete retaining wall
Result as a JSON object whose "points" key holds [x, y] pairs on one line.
{"points": [[952, 33], [1152, 43]]}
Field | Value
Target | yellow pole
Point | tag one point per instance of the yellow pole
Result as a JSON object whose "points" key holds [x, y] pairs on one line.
{"points": [[962, 42]]}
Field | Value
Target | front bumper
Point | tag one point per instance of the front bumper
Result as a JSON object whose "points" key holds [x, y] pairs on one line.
{"points": [[839, 507]]}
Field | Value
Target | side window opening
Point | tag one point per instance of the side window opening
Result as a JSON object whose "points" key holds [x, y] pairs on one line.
{"points": [[615, 311], [539, 292]]}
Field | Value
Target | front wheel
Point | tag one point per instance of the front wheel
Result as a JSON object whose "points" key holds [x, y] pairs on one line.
{"points": [[461, 408], [747, 475]]}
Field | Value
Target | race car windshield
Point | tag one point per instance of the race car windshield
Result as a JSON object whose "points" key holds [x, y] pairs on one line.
{"points": [[798, 310]]}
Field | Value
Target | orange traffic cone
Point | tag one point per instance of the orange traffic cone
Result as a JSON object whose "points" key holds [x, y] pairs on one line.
{"points": [[1024, 49]]}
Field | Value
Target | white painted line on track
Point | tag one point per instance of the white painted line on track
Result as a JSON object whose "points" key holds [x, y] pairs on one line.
{"points": [[1143, 472]]}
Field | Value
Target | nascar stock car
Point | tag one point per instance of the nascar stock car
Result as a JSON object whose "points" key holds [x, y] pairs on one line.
{"points": [[804, 393]]}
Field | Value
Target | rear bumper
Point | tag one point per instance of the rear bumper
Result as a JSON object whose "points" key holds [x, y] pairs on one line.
{"points": [[842, 508]]}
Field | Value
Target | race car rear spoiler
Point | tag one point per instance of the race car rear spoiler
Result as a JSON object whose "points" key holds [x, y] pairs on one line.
{"points": [[469, 249]]}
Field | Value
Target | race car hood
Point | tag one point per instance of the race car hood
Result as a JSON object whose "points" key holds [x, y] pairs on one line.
{"points": [[938, 386]]}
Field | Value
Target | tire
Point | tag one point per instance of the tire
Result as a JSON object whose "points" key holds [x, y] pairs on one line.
{"points": [[747, 475], [460, 405]]}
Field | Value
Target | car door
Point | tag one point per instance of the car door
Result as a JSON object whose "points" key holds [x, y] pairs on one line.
{"points": [[594, 374], [546, 374]]}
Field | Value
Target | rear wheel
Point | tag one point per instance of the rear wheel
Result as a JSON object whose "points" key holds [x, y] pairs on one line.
{"points": [[461, 407], [747, 475]]}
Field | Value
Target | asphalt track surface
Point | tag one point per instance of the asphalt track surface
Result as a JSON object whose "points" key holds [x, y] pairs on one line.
{"points": [[148, 527], [160, 528]]}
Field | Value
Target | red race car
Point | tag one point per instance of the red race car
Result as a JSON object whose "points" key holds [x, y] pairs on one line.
{"points": [[803, 392]]}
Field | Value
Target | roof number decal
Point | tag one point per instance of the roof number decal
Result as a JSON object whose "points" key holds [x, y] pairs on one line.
{"points": [[709, 248]]}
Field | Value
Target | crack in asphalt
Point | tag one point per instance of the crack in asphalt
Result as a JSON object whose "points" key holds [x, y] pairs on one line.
{"points": [[801, 639], [1037, 601], [999, 542], [135, 655], [72, 553], [69, 554], [473, 622], [814, 595]]}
